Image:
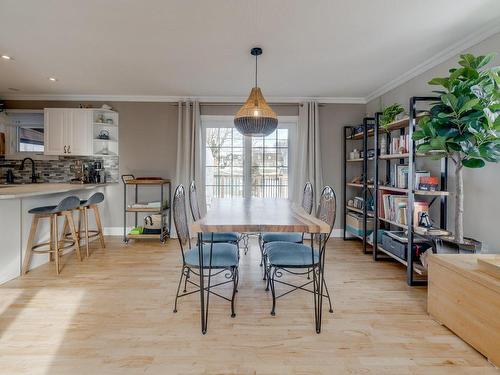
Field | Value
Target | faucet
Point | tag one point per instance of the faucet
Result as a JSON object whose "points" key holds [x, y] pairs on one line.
{"points": [[34, 177]]}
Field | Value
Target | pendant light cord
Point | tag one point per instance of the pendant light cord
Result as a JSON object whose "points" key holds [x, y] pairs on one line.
{"points": [[256, 70]]}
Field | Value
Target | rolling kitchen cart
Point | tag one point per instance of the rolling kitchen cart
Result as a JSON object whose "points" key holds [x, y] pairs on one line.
{"points": [[163, 210]]}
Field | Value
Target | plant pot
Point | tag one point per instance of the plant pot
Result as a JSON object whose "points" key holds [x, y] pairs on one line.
{"points": [[448, 245]]}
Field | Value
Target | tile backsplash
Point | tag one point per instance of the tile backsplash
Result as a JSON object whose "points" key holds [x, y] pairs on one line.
{"points": [[58, 170]]}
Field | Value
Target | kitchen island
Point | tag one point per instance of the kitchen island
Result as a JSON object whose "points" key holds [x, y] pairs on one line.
{"points": [[15, 221]]}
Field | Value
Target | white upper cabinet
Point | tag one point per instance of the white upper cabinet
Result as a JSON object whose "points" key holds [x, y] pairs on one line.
{"points": [[57, 124], [80, 133], [75, 131]]}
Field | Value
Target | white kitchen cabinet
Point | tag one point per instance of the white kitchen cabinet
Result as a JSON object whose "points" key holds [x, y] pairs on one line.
{"points": [[72, 131], [57, 126], [80, 133]]}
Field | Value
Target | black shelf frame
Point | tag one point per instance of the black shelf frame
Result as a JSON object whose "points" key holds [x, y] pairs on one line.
{"points": [[412, 155], [165, 212], [364, 170]]}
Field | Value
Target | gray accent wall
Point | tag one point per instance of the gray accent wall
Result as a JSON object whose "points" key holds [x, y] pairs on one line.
{"points": [[148, 142], [481, 186]]}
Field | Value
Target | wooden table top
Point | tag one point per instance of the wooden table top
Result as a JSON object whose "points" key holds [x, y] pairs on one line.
{"points": [[258, 215]]}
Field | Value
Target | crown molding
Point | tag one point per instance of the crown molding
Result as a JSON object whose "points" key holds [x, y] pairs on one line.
{"points": [[471, 40], [174, 99]]}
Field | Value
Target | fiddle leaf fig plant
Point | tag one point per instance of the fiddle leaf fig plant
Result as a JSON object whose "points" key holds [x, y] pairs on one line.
{"points": [[464, 125]]}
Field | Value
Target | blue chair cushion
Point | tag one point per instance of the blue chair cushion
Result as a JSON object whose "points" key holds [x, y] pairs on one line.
{"points": [[223, 255], [290, 254], [221, 237], [282, 236]]}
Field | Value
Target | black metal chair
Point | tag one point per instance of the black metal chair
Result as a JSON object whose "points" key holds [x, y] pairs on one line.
{"points": [[299, 259], [222, 257], [229, 237], [307, 205]]}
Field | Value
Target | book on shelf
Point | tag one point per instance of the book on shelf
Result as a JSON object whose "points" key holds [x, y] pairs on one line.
{"points": [[399, 145], [393, 207], [419, 175], [418, 208], [400, 176]]}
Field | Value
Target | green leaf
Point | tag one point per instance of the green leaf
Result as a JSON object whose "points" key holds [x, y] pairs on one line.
{"points": [[467, 60], [450, 100], [424, 147], [473, 163], [439, 82], [454, 146], [455, 74], [468, 106], [438, 143], [484, 60], [418, 135]]}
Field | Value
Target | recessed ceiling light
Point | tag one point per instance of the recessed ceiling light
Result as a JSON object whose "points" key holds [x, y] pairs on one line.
{"points": [[5, 57], [52, 79]]}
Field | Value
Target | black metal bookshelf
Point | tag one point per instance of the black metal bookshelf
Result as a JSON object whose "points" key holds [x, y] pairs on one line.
{"points": [[405, 125], [349, 134]]}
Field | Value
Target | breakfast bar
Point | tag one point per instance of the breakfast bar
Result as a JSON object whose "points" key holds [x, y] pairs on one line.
{"points": [[15, 201]]}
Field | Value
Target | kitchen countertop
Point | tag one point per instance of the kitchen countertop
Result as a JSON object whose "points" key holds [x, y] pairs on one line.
{"points": [[33, 190]]}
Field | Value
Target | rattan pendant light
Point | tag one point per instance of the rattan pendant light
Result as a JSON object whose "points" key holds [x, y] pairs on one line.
{"points": [[256, 118]]}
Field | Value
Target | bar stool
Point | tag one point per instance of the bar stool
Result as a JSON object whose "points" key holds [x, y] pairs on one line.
{"points": [[85, 205], [65, 208]]}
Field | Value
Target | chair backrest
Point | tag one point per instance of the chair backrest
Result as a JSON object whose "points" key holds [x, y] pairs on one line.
{"points": [[327, 208], [180, 217], [308, 198], [67, 204], [95, 199], [193, 202]]}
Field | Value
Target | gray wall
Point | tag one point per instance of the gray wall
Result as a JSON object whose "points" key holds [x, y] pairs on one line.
{"points": [[332, 117], [148, 141], [481, 186]]}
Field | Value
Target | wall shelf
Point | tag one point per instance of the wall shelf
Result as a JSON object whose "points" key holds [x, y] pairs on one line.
{"points": [[362, 164], [405, 126]]}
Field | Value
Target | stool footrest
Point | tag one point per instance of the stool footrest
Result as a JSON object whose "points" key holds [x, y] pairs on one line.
{"points": [[36, 248]]}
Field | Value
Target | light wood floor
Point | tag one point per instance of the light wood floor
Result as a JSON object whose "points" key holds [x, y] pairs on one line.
{"points": [[112, 314]]}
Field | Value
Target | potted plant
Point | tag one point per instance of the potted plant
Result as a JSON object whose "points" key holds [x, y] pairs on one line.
{"points": [[390, 113], [464, 125]]}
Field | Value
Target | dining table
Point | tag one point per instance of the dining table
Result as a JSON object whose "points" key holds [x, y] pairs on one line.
{"points": [[257, 215]]}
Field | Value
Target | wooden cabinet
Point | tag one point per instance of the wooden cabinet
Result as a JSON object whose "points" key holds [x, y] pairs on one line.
{"points": [[71, 131], [466, 299]]}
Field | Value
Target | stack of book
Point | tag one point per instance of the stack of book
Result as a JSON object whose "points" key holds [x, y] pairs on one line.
{"points": [[399, 145], [393, 207], [400, 176]]}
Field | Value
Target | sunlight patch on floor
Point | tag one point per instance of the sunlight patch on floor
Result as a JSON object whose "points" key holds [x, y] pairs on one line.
{"points": [[41, 316]]}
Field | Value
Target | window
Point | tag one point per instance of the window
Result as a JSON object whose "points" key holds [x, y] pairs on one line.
{"points": [[237, 166], [29, 139], [27, 133]]}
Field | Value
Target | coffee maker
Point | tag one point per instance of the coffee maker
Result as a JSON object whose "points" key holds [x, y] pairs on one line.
{"points": [[78, 170], [98, 175]]}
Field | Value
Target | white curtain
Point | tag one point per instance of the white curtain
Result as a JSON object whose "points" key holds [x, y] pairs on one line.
{"points": [[307, 161], [189, 151]]}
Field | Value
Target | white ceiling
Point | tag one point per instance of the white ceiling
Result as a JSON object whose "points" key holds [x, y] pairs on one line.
{"points": [[312, 48]]}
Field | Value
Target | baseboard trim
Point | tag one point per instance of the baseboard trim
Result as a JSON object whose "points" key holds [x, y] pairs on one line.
{"points": [[115, 231]]}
